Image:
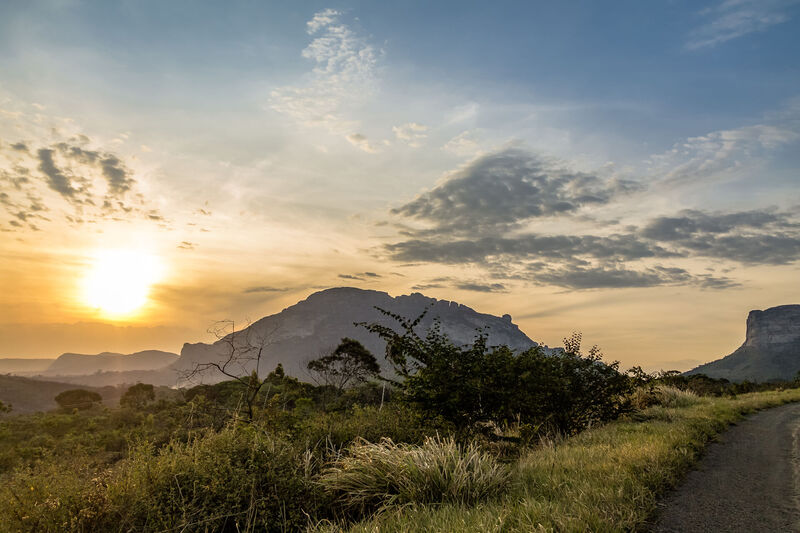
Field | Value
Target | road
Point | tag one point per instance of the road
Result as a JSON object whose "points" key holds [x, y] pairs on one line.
{"points": [[748, 481]]}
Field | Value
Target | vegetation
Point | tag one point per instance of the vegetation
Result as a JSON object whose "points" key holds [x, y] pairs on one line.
{"points": [[78, 399], [471, 438]]}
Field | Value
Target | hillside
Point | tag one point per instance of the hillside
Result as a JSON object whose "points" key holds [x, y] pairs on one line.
{"points": [[27, 395], [312, 326], [21, 366], [771, 350], [73, 364]]}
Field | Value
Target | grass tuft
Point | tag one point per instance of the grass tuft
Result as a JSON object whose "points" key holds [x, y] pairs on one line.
{"points": [[384, 474]]}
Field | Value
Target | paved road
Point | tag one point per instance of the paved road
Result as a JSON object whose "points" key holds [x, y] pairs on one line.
{"points": [[748, 481]]}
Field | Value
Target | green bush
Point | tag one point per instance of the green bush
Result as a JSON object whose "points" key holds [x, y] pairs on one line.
{"points": [[373, 476]]}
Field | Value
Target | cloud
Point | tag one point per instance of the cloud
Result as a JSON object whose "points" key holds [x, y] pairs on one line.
{"points": [[755, 237], [56, 179], [263, 288], [94, 182], [464, 144], [715, 155], [616, 277], [344, 74], [732, 19], [506, 188], [411, 133], [482, 287], [361, 142], [477, 216], [186, 245]]}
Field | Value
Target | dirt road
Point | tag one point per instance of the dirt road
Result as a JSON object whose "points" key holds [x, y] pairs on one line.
{"points": [[748, 481]]}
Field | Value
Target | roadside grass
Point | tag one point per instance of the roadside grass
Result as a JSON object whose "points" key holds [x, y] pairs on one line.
{"points": [[605, 479]]}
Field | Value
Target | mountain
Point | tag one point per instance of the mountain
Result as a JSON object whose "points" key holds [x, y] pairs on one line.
{"points": [[23, 366], [73, 364], [315, 325], [771, 350], [27, 395]]}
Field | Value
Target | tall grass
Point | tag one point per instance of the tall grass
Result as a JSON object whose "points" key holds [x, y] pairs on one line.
{"points": [[379, 475], [604, 479]]}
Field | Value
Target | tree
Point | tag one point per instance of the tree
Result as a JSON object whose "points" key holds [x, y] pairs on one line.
{"points": [[350, 363], [243, 351], [78, 399], [5, 408], [137, 396]]}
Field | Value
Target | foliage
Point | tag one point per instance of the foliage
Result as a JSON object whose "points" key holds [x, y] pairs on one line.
{"points": [[78, 399], [371, 476], [4, 408], [349, 363], [236, 479], [473, 385], [138, 396]]}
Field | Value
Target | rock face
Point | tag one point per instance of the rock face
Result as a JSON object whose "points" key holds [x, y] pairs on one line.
{"points": [[771, 350], [315, 325], [74, 364]]}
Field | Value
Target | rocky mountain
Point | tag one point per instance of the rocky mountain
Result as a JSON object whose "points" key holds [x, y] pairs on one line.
{"points": [[771, 350], [73, 364], [315, 325]]}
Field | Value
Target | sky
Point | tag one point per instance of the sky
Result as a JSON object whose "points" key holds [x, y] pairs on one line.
{"points": [[624, 169]]}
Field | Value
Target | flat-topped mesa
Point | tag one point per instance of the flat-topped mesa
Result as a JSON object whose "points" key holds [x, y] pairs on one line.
{"points": [[771, 350], [776, 325]]}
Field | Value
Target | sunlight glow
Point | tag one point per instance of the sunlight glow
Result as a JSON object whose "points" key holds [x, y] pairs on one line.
{"points": [[118, 281]]}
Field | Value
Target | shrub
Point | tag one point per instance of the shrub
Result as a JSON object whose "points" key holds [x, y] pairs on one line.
{"points": [[373, 476], [475, 385]]}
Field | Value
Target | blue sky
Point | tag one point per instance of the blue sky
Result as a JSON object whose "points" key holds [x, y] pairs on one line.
{"points": [[589, 156]]}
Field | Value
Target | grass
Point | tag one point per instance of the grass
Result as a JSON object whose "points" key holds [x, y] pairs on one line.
{"points": [[377, 476], [604, 479]]}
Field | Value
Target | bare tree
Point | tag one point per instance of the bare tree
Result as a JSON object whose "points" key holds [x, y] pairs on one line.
{"points": [[243, 351]]}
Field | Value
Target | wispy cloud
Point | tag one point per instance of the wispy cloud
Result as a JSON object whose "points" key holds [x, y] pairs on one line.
{"points": [[343, 76], [732, 19], [411, 133]]}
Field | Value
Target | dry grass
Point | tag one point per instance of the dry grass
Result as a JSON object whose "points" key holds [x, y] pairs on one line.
{"points": [[372, 476]]}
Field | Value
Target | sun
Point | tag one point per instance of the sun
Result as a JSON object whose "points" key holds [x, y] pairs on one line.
{"points": [[118, 282]]}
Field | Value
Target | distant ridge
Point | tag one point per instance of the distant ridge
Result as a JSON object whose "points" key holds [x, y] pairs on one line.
{"points": [[771, 350], [73, 364]]}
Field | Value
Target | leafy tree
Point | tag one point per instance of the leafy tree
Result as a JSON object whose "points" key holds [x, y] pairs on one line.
{"points": [[350, 363], [78, 399], [137, 396], [5, 408]]}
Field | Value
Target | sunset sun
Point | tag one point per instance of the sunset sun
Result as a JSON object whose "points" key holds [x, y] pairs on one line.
{"points": [[118, 281]]}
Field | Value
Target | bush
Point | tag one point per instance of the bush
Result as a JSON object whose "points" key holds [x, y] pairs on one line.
{"points": [[477, 386], [374, 476]]}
